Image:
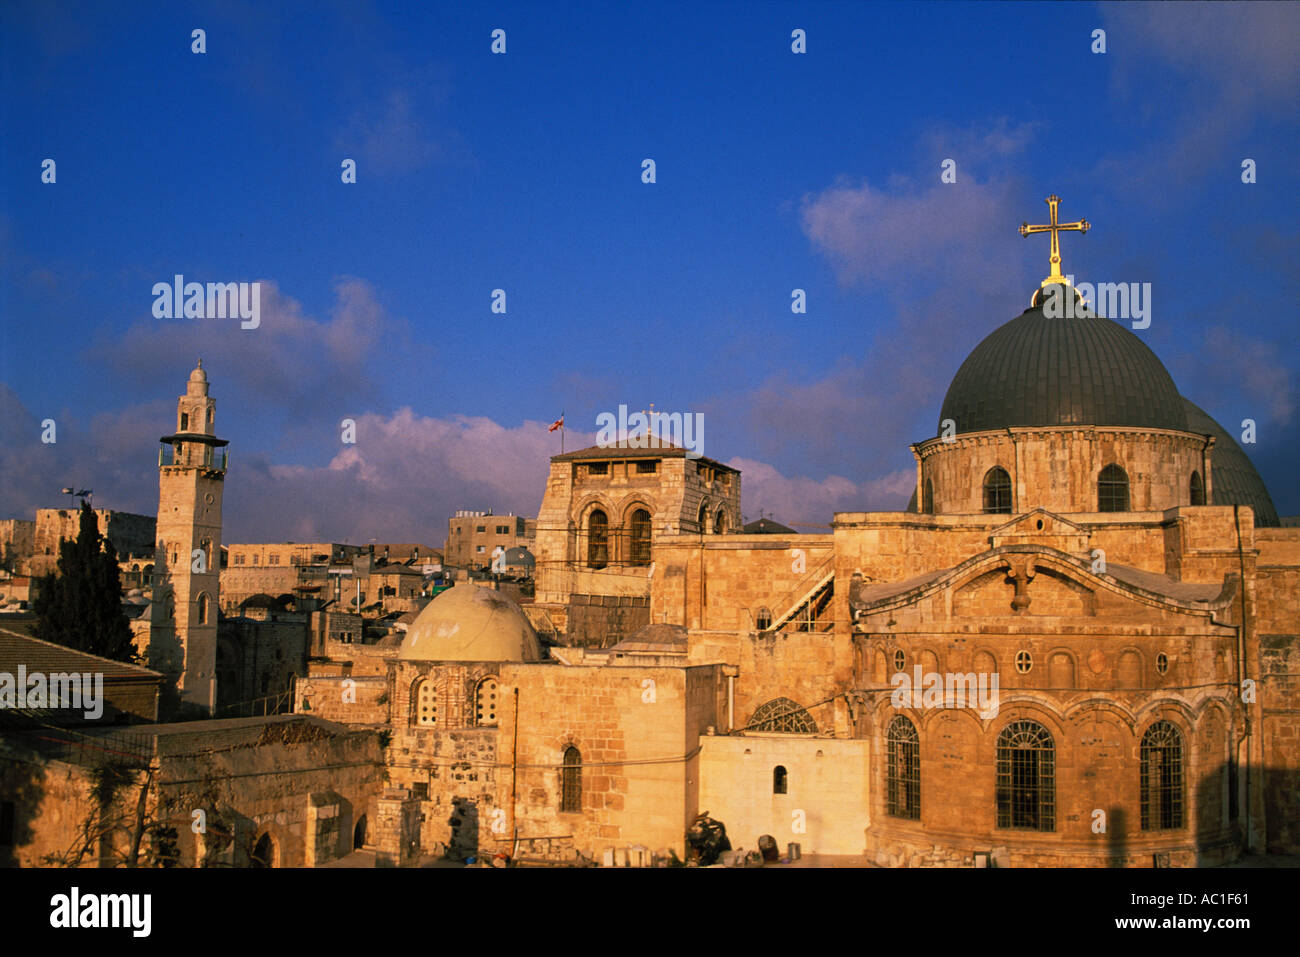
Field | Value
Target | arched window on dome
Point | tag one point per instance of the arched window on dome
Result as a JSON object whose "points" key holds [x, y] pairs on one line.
{"points": [[1026, 777], [1162, 777], [597, 539], [1112, 489], [903, 770], [927, 497], [1197, 489], [485, 702], [424, 703], [997, 491], [571, 781], [640, 537]]}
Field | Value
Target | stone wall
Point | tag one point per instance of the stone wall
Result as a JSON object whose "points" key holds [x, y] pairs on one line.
{"points": [[304, 783], [130, 534], [455, 776], [811, 669], [1278, 607], [601, 621], [17, 542], [638, 744], [824, 809], [346, 699], [301, 782], [270, 654], [50, 801], [722, 582]]}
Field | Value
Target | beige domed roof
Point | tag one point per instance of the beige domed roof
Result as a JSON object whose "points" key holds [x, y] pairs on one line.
{"points": [[471, 623]]}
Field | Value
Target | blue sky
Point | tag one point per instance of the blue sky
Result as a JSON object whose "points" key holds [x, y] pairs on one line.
{"points": [[522, 172]]}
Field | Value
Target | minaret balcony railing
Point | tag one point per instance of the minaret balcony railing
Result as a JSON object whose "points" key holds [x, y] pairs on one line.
{"points": [[210, 458]]}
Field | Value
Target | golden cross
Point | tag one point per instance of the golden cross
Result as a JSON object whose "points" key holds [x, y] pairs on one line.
{"points": [[1055, 229]]}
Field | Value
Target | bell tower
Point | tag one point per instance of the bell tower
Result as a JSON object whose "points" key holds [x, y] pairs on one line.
{"points": [[187, 572]]}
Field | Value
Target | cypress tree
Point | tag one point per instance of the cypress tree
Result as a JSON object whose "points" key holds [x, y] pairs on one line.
{"points": [[81, 606]]}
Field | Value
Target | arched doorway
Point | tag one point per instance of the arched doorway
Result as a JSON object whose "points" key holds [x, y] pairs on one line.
{"points": [[264, 853], [359, 834]]}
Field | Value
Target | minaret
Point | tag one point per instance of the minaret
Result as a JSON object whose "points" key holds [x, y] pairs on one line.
{"points": [[187, 573]]}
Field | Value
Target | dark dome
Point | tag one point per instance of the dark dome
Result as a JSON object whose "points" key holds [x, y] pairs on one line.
{"points": [[1233, 475], [1038, 371]]}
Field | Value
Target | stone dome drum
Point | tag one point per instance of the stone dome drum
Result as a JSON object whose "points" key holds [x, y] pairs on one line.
{"points": [[1037, 371], [1235, 480], [471, 623]]}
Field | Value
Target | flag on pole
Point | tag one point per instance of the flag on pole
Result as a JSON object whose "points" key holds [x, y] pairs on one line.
{"points": [[559, 424]]}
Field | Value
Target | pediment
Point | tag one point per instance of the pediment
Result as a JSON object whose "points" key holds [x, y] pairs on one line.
{"points": [[1039, 582], [1041, 527], [1024, 584]]}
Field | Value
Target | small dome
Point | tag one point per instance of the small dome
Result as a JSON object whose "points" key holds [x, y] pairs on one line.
{"points": [[520, 556], [471, 623], [198, 375], [1037, 371]]}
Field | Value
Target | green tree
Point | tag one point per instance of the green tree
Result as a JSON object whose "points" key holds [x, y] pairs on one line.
{"points": [[81, 606]]}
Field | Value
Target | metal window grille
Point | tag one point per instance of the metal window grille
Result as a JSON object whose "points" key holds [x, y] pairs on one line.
{"points": [[1026, 777], [597, 540], [640, 552], [997, 490], [1112, 490], [784, 716], [571, 781], [1162, 777], [903, 770]]}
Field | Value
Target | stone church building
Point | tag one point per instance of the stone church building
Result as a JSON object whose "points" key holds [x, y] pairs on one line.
{"points": [[1075, 647]]}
